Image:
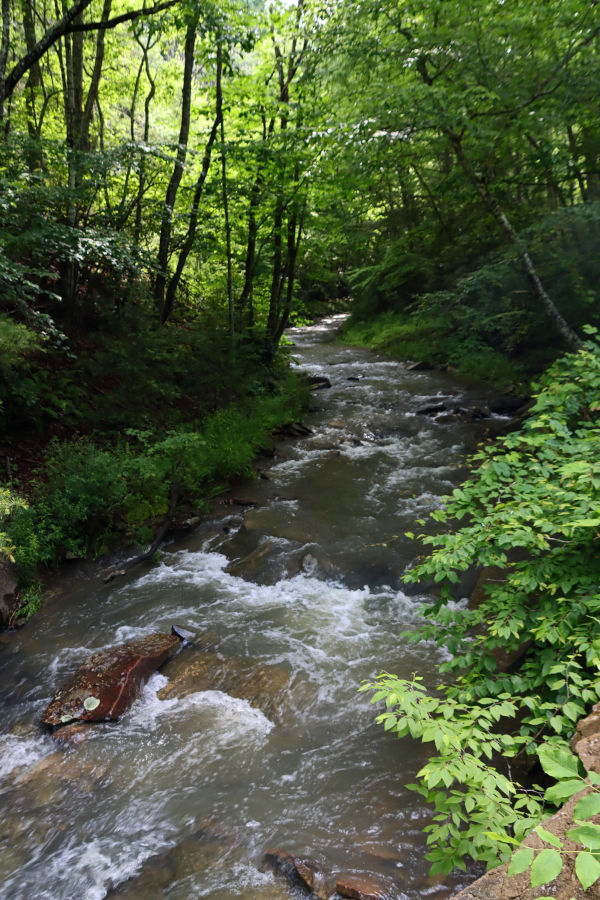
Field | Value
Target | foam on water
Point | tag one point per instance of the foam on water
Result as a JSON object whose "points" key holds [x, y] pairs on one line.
{"points": [[21, 752], [229, 715]]}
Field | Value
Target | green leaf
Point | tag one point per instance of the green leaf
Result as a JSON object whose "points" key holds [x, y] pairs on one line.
{"points": [[545, 867], [588, 806], [587, 834], [563, 790], [548, 837], [587, 869], [520, 861], [558, 762], [504, 838]]}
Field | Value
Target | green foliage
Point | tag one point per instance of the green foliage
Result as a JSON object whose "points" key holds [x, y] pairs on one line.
{"points": [[466, 790], [10, 503], [545, 865], [87, 495], [532, 510], [487, 326], [29, 602]]}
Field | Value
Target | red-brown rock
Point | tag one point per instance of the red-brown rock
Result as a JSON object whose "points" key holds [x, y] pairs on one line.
{"points": [[109, 681], [301, 870], [360, 888]]}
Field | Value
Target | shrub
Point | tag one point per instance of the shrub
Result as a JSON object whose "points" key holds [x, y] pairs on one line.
{"points": [[531, 508]]}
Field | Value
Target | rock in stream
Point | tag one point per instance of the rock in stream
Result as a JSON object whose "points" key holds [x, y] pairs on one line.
{"points": [[109, 681]]}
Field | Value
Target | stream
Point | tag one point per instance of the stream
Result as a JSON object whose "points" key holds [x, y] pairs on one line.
{"points": [[301, 570]]}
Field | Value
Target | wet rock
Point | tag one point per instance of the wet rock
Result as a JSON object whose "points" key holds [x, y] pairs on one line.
{"points": [[295, 429], [355, 377], [432, 409], [507, 405], [360, 888], [309, 564], [318, 383], [8, 590], [194, 854], [303, 871], [109, 681], [379, 854], [250, 566], [263, 686], [50, 776], [75, 734], [183, 634]]}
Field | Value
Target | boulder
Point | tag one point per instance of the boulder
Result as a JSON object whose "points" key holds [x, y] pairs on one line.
{"points": [[263, 686], [8, 590], [360, 888], [496, 885], [303, 871], [318, 383], [432, 409], [108, 682], [586, 740]]}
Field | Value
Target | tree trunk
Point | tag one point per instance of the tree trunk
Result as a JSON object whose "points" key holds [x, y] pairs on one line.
{"points": [[4, 45], [193, 222], [142, 176], [50, 36], [489, 201], [225, 198], [173, 186]]}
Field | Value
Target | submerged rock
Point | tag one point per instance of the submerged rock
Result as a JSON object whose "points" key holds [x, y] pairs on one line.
{"points": [[109, 681], [261, 685], [359, 887], [200, 851], [303, 871], [318, 383], [306, 872]]}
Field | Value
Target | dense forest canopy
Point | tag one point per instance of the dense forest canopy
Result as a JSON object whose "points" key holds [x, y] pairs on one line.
{"points": [[235, 158]]}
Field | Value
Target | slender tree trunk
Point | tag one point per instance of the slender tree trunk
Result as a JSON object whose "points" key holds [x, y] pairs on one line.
{"points": [[34, 154], [575, 163], [92, 94], [225, 198], [193, 221], [142, 176], [293, 246], [245, 298], [4, 45], [489, 201], [177, 174]]}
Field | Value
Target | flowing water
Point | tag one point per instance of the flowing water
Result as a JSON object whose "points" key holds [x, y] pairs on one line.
{"points": [[303, 572]]}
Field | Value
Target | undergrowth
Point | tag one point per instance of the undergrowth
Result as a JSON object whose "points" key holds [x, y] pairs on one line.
{"points": [[531, 510], [88, 495]]}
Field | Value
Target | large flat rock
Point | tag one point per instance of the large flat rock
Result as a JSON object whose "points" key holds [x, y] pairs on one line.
{"points": [[108, 682], [263, 686]]}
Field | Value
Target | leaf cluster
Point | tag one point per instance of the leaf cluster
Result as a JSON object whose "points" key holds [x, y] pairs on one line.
{"points": [[530, 512]]}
